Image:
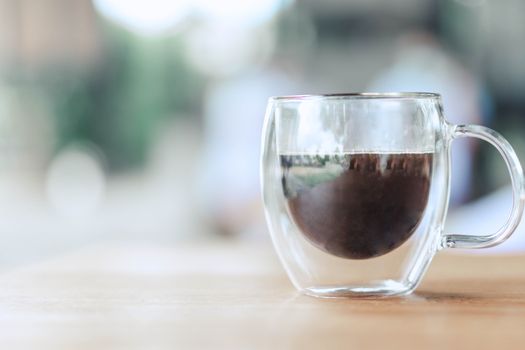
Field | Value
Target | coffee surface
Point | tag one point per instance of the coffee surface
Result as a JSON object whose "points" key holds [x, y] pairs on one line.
{"points": [[357, 205]]}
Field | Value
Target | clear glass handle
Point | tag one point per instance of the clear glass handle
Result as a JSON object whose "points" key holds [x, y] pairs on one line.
{"points": [[518, 189]]}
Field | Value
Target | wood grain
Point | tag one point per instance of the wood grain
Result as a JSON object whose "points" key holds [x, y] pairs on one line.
{"points": [[228, 295]]}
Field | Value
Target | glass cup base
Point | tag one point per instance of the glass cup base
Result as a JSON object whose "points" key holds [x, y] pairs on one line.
{"points": [[386, 288]]}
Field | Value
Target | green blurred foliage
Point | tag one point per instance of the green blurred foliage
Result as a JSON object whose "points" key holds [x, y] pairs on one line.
{"points": [[118, 103]]}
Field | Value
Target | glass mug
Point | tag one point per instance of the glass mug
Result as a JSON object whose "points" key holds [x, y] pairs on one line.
{"points": [[356, 189]]}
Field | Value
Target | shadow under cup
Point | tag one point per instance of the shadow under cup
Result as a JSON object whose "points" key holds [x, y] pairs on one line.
{"points": [[355, 190]]}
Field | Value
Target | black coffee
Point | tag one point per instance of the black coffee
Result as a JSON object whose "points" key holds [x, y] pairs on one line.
{"points": [[360, 205]]}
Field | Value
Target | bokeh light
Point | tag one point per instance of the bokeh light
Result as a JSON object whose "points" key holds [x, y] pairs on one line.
{"points": [[156, 16], [76, 181], [145, 16]]}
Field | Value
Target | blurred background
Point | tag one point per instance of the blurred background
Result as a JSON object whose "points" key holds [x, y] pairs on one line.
{"points": [[141, 120]]}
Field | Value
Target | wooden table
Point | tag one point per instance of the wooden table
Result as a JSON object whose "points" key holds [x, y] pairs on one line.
{"points": [[228, 295]]}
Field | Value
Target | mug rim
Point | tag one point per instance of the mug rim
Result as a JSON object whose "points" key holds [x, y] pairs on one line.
{"points": [[357, 95]]}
